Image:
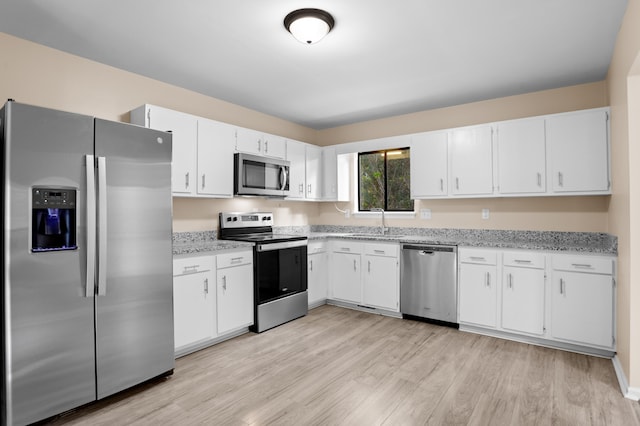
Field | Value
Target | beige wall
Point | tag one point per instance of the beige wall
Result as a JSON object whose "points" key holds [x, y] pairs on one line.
{"points": [[583, 96], [546, 213], [35, 74], [624, 204]]}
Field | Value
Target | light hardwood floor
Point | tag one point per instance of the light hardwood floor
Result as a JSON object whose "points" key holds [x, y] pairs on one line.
{"points": [[342, 367]]}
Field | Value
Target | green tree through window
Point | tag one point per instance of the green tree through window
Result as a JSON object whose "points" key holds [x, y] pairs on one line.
{"points": [[383, 180]]}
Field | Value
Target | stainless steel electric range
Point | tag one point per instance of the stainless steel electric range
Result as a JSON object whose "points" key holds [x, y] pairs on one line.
{"points": [[279, 267]]}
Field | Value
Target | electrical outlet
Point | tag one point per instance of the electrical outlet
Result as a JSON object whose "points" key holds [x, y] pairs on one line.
{"points": [[425, 214], [485, 213]]}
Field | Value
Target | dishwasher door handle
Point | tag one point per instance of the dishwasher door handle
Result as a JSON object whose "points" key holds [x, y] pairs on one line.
{"points": [[425, 252]]}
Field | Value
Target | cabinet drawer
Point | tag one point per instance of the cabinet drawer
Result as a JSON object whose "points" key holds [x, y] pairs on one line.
{"points": [[341, 246], [589, 264], [524, 259], [389, 250], [479, 256], [317, 247], [192, 265], [237, 258]]}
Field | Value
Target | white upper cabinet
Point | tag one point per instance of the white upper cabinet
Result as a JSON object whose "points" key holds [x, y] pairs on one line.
{"points": [[429, 165], [184, 128], [296, 152], [335, 175], [579, 151], [202, 155], [313, 161], [258, 143], [521, 156], [215, 158], [305, 179], [471, 161]]}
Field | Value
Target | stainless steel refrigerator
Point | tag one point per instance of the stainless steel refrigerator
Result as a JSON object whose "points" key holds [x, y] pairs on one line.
{"points": [[87, 263]]}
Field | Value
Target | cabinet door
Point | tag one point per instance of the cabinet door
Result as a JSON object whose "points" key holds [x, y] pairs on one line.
{"points": [[193, 308], [582, 308], [345, 277], [274, 146], [184, 128], [521, 156], [523, 300], [380, 282], [329, 173], [297, 169], [313, 160], [429, 165], [579, 151], [249, 141], [235, 298], [318, 277], [478, 294], [471, 158], [215, 158]]}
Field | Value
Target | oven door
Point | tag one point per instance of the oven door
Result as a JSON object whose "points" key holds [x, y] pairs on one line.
{"points": [[281, 270]]}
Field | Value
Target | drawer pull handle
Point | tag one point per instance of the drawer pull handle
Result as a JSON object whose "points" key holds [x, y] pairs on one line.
{"points": [[354, 265], [488, 279], [346, 249], [311, 265], [521, 261], [478, 258], [379, 251], [581, 265], [237, 260], [510, 281], [562, 289], [206, 286]]}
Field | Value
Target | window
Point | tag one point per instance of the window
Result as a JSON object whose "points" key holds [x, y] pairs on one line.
{"points": [[383, 180]]}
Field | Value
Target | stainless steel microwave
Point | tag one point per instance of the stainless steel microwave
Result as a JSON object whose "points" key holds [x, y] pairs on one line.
{"points": [[256, 175]]}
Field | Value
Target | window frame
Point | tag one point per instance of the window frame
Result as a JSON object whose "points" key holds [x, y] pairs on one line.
{"points": [[357, 200]]}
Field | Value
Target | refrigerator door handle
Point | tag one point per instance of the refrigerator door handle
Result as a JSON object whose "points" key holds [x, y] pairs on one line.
{"points": [[102, 226], [91, 226]]}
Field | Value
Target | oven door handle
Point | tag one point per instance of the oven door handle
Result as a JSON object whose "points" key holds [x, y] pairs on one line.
{"points": [[280, 246]]}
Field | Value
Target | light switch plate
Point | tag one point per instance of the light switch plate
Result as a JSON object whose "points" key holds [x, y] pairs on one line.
{"points": [[485, 213], [425, 214]]}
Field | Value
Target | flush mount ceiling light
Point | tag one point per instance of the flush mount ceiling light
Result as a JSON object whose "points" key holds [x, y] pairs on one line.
{"points": [[309, 25]]}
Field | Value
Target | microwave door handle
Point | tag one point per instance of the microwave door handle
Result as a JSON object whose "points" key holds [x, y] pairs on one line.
{"points": [[283, 177]]}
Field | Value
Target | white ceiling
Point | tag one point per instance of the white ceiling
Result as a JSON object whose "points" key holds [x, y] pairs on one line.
{"points": [[383, 57]]}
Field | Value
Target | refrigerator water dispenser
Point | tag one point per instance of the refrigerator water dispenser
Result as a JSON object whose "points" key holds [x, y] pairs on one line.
{"points": [[53, 219]]}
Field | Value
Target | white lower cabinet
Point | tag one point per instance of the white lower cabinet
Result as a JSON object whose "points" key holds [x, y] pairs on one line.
{"points": [[582, 300], [317, 273], [209, 303], [235, 291], [194, 300], [507, 293], [523, 282], [478, 287], [345, 271], [366, 274]]}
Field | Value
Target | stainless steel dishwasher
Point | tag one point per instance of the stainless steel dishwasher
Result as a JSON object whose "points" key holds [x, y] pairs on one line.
{"points": [[428, 283]]}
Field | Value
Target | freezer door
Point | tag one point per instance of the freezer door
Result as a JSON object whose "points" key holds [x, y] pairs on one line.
{"points": [[47, 320], [134, 320]]}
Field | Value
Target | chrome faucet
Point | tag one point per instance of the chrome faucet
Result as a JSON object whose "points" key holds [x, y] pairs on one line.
{"points": [[383, 228]]}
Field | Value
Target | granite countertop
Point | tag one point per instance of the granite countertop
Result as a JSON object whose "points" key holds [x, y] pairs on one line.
{"points": [[577, 242], [203, 242]]}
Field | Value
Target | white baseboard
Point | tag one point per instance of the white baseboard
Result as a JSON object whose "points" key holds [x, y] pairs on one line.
{"points": [[627, 391]]}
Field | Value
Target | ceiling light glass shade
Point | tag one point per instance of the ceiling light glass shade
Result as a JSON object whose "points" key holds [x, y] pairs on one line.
{"points": [[309, 26]]}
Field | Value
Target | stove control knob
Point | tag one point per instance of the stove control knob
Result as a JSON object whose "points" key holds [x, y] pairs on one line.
{"points": [[265, 218], [268, 217], [229, 219], [235, 219]]}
